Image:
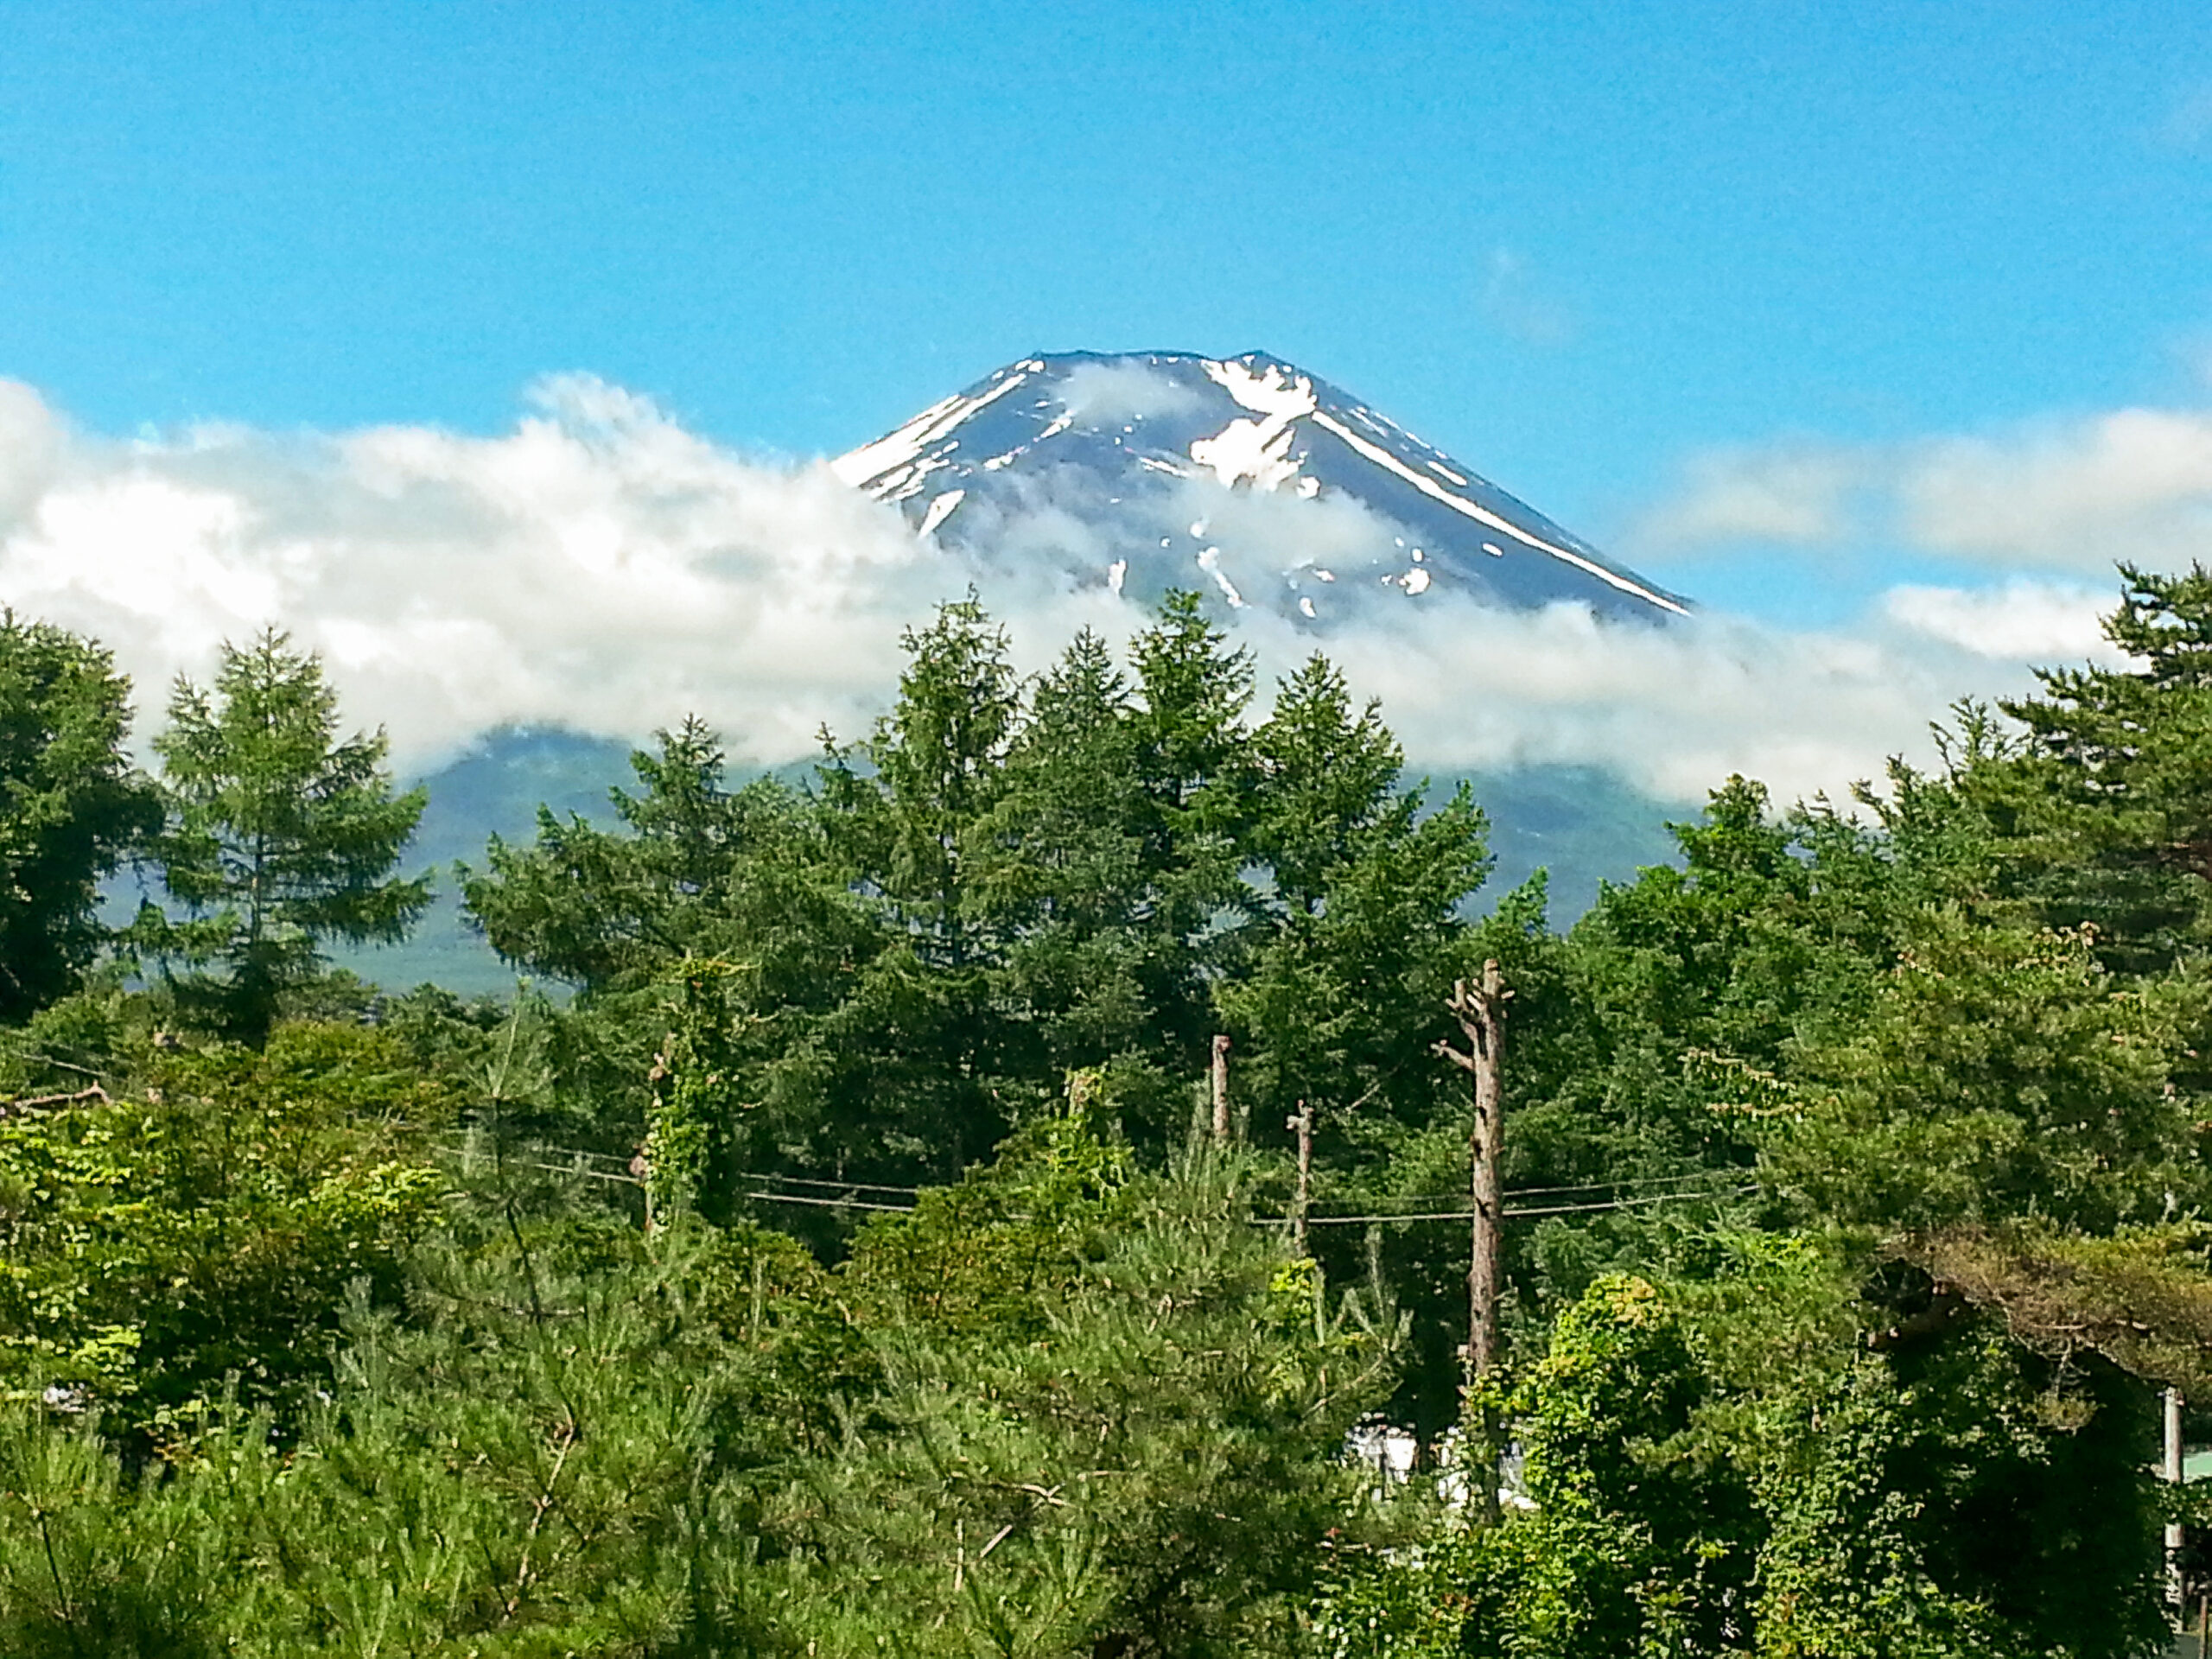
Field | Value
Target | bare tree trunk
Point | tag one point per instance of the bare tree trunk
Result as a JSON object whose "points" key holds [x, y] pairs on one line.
{"points": [[2172, 1472], [1481, 1012], [1220, 1090], [1302, 1125]]}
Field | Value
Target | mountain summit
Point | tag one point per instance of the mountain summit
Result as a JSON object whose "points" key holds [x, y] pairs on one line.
{"points": [[1146, 471]]}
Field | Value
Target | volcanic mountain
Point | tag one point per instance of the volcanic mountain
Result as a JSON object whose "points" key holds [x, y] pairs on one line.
{"points": [[1146, 471], [1246, 477]]}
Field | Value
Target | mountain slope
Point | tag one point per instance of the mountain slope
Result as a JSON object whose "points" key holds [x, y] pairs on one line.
{"points": [[1245, 476]]}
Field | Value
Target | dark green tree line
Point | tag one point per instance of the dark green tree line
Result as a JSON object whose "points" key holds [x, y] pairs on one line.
{"points": [[1855, 1161]]}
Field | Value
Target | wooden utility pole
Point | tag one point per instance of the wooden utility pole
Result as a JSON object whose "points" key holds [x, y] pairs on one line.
{"points": [[1480, 1011], [1301, 1124], [1220, 1090], [2172, 1472]]}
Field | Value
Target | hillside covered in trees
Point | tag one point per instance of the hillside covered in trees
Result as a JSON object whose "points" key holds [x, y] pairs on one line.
{"points": [[836, 1246]]}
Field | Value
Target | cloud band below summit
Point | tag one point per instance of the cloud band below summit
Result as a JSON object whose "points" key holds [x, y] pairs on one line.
{"points": [[599, 566]]}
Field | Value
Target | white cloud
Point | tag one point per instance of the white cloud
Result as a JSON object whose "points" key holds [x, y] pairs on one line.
{"points": [[596, 566], [2133, 484], [1519, 304], [30, 443], [1783, 493], [1125, 390], [1673, 710], [2023, 621], [600, 566]]}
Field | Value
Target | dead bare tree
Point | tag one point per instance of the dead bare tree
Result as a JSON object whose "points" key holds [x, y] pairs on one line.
{"points": [[1480, 1011], [1301, 1124]]}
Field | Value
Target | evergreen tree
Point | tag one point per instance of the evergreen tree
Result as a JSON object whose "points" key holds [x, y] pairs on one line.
{"points": [[2105, 801], [1357, 925], [71, 807], [935, 1047], [1111, 945], [1107, 1403], [1197, 777], [1355, 936], [714, 938], [697, 868], [281, 835], [934, 768]]}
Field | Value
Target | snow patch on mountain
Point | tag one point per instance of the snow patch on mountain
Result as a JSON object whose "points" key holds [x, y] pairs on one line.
{"points": [[1096, 468]]}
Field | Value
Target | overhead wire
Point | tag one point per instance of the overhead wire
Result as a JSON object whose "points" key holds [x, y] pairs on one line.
{"points": [[774, 1178], [1522, 1212], [1379, 1217]]}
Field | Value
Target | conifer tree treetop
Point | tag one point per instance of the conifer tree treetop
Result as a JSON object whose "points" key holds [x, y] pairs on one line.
{"points": [[280, 834]]}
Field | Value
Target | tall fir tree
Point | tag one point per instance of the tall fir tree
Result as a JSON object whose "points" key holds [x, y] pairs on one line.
{"points": [[903, 810], [2105, 801], [281, 837]]}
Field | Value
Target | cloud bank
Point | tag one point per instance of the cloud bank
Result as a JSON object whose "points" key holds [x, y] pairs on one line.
{"points": [[597, 566], [2068, 496], [600, 567]]}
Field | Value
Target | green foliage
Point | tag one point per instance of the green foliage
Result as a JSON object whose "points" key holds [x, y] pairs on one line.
{"points": [[565, 1440], [2101, 796], [1359, 937], [1108, 1424], [1630, 1543], [1864, 1150], [71, 807], [281, 835], [1002, 884], [1998, 1074], [996, 1253], [205, 1234], [546, 1462], [697, 868], [1721, 1466]]}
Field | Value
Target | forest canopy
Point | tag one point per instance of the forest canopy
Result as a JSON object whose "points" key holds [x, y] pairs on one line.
{"points": [[1000, 1194]]}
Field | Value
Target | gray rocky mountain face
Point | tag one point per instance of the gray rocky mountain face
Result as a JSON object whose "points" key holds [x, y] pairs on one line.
{"points": [[1244, 476]]}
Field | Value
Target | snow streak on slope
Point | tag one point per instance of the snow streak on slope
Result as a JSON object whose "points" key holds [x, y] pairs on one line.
{"points": [[1247, 475]]}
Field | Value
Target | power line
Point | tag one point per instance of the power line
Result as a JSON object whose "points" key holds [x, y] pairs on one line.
{"points": [[1548, 1210], [575, 1169], [632, 1180], [1602, 1187], [1551, 1192], [1627, 1184], [832, 1204], [1629, 1203], [1524, 1212], [739, 1174], [836, 1186]]}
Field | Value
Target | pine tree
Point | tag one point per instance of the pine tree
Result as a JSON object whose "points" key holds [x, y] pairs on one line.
{"points": [[2107, 805], [281, 837], [934, 767], [903, 811]]}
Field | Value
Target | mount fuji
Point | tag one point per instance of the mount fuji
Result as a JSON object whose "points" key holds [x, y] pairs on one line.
{"points": [[1247, 476]]}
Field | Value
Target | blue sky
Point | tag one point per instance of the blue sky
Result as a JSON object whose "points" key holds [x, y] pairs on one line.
{"points": [[1569, 241], [1746, 293]]}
